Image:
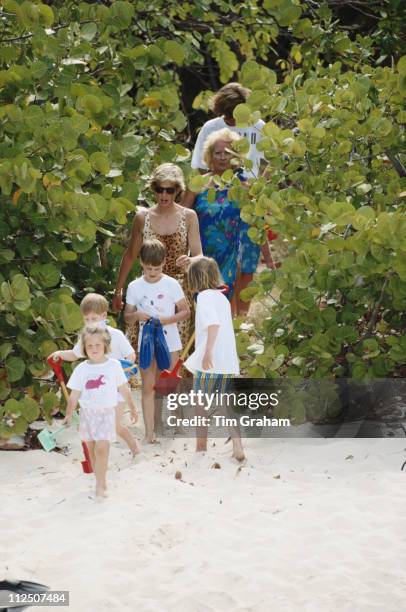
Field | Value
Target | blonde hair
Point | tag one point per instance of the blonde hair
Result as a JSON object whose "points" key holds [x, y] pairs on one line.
{"points": [[204, 274], [226, 99], [167, 172], [93, 331], [211, 141], [94, 302], [152, 252]]}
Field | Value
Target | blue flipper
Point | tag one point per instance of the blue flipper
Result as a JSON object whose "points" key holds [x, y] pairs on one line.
{"points": [[162, 354], [147, 345]]}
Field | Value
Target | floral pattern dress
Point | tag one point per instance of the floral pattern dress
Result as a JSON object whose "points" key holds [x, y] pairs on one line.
{"points": [[224, 235]]}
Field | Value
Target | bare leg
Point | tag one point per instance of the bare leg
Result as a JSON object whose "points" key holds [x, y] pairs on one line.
{"points": [[148, 377], [90, 445], [238, 451], [201, 432], [244, 278], [228, 412], [102, 448], [200, 411], [159, 403], [124, 432]]}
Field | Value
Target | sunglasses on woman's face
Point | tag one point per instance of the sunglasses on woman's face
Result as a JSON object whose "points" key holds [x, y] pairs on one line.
{"points": [[169, 190]]}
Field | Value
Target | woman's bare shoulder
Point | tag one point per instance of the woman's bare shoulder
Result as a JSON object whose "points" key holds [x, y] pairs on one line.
{"points": [[190, 214], [139, 217]]}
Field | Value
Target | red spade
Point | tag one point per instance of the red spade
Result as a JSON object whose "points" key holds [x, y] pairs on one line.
{"points": [[56, 365], [169, 379]]}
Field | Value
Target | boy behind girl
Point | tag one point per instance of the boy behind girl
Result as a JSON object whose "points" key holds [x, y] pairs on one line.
{"points": [[94, 309]]}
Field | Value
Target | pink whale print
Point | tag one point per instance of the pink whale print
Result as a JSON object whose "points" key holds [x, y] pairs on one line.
{"points": [[95, 383]]}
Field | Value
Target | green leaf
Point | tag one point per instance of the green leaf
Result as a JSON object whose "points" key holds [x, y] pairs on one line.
{"points": [[277, 362], [199, 183], [242, 115], [49, 402], [92, 104], [89, 31], [30, 409], [12, 407], [72, 319], [47, 275], [4, 391], [401, 65], [15, 367], [5, 350], [122, 14], [174, 51], [6, 255], [100, 162], [46, 15]]}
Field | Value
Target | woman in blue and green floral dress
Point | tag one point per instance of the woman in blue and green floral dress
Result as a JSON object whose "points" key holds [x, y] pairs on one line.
{"points": [[223, 234]]}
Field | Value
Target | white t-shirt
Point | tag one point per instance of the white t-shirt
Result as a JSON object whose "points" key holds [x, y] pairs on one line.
{"points": [[252, 133], [120, 347], [158, 300], [213, 308], [98, 383]]}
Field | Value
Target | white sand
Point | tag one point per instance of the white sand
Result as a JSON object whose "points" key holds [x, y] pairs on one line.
{"points": [[302, 526]]}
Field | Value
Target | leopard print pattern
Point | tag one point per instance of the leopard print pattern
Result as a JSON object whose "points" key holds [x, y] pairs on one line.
{"points": [[176, 245]]}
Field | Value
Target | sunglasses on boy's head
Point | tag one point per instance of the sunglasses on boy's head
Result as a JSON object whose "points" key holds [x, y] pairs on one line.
{"points": [[170, 190]]}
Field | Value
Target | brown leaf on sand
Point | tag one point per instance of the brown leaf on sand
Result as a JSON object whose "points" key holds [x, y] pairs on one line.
{"points": [[349, 457], [277, 477], [216, 466], [178, 475]]}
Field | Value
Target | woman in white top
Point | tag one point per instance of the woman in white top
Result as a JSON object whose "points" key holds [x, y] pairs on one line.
{"points": [[214, 361], [223, 105]]}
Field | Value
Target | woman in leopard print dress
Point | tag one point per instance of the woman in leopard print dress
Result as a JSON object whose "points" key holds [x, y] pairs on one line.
{"points": [[176, 227]]}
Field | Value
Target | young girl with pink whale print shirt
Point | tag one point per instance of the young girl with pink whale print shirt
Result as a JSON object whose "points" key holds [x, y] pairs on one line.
{"points": [[96, 384]]}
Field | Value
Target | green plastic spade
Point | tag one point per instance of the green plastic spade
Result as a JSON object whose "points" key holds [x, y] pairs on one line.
{"points": [[48, 438]]}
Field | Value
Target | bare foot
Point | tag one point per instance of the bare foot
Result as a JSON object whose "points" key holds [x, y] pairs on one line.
{"points": [[150, 440], [135, 450], [100, 492], [238, 451], [239, 455], [201, 446]]}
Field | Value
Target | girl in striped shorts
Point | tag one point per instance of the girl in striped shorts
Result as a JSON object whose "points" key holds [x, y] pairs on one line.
{"points": [[214, 362]]}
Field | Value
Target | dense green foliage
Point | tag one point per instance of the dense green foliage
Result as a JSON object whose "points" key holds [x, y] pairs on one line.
{"points": [[91, 100], [334, 190]]}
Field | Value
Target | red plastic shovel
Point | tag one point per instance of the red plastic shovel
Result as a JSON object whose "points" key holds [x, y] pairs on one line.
{"points": [[169, 379], [56, 365]]}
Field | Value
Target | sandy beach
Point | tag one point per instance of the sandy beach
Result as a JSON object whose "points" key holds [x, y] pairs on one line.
{"points": [[304, 524]]}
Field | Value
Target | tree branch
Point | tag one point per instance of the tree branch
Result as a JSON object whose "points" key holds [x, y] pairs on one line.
{"points": [[60, 27], [397, 164]]}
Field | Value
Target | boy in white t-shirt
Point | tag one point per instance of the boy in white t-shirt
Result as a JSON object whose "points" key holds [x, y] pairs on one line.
{"points": [[214, 361], [94, 309], [160, 296], [223, 104]]}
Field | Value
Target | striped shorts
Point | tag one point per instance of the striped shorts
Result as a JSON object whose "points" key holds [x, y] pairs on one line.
{"points": [[210, 383]]}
